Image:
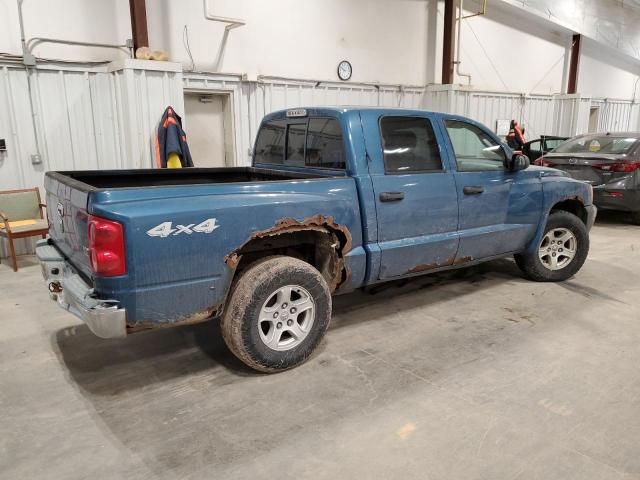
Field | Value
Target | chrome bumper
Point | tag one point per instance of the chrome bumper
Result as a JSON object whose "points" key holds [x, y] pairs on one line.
{"points": [[103, 317]]}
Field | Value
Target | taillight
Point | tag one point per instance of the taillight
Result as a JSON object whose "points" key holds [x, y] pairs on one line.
{"points": [[624, 167], [106, 247], [542, 162]]}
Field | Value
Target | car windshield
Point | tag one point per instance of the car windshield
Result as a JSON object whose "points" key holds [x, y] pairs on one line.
{"points": [[598, 144]]}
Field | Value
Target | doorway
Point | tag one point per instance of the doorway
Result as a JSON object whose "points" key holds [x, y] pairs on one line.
{"points": [[209, 127], [594, 117]]}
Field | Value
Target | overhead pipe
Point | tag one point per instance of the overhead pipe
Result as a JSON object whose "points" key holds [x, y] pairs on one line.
{"points": [[481, 12], [231, 23], [28, 61], [35, 41], [457, 61], [29, 45]]}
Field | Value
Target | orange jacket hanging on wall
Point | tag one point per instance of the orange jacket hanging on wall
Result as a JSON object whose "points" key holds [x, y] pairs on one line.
{"points": [[171, 139]]}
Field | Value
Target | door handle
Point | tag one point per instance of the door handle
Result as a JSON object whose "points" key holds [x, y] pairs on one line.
{"points": [[473, 190], [391, 196]]}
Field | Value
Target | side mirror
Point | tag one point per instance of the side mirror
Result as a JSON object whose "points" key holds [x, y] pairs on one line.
{"points": [[518, 162]]}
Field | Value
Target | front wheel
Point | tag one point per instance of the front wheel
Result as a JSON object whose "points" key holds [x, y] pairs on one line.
{"points": [[277, 313], [561, 252]]}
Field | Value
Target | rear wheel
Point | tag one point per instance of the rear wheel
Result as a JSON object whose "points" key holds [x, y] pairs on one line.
{"points": [[561, 252], [278, 311]]}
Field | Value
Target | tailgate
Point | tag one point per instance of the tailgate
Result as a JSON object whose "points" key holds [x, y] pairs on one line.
{"points": [[67, 216]]}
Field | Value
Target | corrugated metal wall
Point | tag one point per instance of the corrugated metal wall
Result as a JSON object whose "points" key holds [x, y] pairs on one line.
{"points": [[534, 111], [571, 114], [105, 117], [87, 118], [617, 115]]}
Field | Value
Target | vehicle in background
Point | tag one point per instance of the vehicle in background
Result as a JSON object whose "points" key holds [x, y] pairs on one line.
{"points": [[610, 162], [336, 199], [534, 149]]}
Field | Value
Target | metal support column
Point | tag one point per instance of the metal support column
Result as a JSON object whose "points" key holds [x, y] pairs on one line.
{"points": [[448, 44], [139, 23], [574, 65]]}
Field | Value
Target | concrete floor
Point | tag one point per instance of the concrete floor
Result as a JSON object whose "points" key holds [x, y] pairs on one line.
{"points": [[477, 375]]}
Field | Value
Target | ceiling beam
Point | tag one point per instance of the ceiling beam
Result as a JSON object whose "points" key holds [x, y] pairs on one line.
{"points": [[139, 23], [574, 64], [449, 42]]}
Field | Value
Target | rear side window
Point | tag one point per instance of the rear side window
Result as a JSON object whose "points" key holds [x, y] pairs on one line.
{"points": [[324, 144], [270, 142], [295, 144], [409, 145], [315, 142]]}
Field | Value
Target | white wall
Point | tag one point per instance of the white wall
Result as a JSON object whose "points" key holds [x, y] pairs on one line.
{"points": [[102, 21], [504, 52], [390, 41], [385, 40], [604, 74]]}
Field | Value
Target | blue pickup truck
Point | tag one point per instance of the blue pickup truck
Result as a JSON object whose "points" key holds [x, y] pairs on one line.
{"points": [[336, 199]]}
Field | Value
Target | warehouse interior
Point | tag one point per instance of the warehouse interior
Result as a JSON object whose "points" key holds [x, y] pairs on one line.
{"points": [[437, 372]]}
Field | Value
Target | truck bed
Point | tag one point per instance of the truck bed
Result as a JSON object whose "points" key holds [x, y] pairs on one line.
{"points": [[88, 180]]}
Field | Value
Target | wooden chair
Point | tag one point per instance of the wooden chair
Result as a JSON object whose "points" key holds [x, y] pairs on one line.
{"points": [[21, 216]]}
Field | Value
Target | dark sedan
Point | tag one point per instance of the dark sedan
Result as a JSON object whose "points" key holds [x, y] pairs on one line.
{"points": [[610, 162]]}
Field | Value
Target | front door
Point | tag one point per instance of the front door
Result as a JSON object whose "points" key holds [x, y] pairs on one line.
{"points": [[415, 194], [499, 209]]}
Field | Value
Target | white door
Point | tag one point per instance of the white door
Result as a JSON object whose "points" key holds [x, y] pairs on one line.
{"points": [[204, 124], [594, 115]]}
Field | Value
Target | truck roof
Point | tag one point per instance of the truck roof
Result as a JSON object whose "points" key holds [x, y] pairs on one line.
{"points": [[320, 110]]}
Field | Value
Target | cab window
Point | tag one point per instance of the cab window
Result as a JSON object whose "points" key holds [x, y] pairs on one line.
{"points": [[314, 142], [474, 149], [270, 143]]}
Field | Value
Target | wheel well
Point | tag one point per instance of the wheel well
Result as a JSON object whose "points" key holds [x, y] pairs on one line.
{"points": [[320, 248], [572, 206]]}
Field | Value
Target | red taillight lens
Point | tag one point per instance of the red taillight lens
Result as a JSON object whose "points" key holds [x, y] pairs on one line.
{"points": [[541, 162], [624, 167], [106, 247]]}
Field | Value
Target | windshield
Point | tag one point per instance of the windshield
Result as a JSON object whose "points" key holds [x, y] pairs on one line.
{"points": [[598, 144]]}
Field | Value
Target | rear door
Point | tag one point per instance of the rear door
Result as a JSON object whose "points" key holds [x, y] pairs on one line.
{"points": [[533, 150], [415, 193], [499, 209], [550, 143]]}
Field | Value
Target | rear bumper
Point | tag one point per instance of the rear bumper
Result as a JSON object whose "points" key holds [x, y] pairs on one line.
{"points": [[624, 200], [592, 212], [103, 317]]}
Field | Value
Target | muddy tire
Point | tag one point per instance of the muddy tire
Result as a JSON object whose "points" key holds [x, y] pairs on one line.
{"points": [[562, 251], [277, 313]]}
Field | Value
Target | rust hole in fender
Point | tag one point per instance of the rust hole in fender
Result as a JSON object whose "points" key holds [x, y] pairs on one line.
{"points": [[338, 244]]}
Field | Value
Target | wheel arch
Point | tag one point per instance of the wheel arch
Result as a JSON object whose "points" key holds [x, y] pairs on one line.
{"points": [[317, 240], [573, 206]]}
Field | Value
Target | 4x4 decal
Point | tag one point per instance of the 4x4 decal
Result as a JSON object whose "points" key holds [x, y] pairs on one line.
{"points": [[166, 228]]}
